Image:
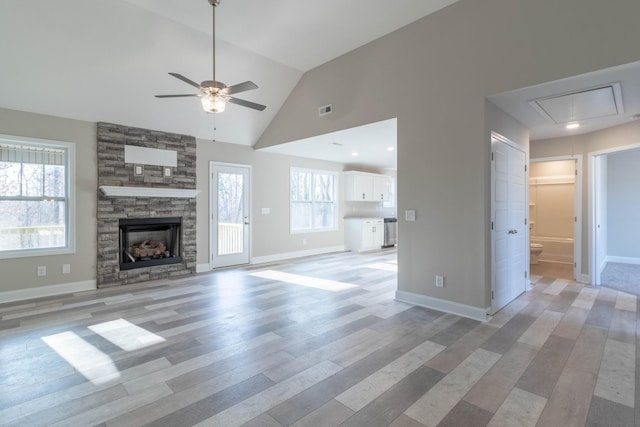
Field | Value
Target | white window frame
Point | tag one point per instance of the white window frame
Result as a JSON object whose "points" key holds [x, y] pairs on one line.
{"points": [[336, 177], [391, 203], [70, 179]]}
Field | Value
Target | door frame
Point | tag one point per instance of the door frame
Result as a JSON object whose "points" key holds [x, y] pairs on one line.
{"points": [[577, 209], [595, 270], [498, 137], [213, 205]]}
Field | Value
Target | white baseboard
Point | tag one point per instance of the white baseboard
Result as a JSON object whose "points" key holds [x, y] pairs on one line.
{"points": [[298, 254], [584, 278], [463, 310], [47, 291], [203, 268], [622, 260]]}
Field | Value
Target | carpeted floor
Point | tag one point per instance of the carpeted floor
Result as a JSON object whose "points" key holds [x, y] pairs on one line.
{"points": [[622, 277]]}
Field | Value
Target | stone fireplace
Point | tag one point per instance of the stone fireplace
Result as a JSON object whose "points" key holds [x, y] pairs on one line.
{"points": [[143, 204]]}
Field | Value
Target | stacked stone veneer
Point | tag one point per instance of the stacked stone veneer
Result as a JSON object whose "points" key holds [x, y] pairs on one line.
{"points": [[113, 171]]}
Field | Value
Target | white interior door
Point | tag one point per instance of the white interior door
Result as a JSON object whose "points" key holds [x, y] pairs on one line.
{"points": [[230, 219], [509, 240]]}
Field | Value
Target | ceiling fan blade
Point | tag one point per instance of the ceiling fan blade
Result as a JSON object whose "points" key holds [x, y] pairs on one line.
{"points": [[240, 87], [248, 104], [174, 96], [186, 80]]}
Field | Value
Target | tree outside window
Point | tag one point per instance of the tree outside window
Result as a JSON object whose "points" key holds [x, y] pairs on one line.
{"points": [[313, 200], [34, 199]]}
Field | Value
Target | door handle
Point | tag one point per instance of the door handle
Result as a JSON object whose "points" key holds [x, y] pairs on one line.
{"points": [[513, 231]]}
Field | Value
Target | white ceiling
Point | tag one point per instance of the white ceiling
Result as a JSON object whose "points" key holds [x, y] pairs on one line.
{"points": [[299, 34], [375, 146], [517, 103], [104, 60]]}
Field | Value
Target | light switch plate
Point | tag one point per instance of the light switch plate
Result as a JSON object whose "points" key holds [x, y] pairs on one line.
{"points": [[410, 215], [266, 211]]}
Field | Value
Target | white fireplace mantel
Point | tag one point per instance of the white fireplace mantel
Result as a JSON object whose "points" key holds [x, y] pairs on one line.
{"points": [[121, 191]]}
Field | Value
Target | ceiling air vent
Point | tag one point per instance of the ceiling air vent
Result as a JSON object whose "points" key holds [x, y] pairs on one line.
{"points": [[581, 105], [325, 109]]}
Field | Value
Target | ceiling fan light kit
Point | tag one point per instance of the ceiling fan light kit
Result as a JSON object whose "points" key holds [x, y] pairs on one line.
{"points": [[215, 95], [213, 103]]}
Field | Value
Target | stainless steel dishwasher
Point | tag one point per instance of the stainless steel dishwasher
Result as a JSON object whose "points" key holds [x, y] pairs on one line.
{"points": [[390, 232]]}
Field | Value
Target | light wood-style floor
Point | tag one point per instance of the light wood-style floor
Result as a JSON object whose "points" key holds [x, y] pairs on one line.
{"points": [[316, 342]]}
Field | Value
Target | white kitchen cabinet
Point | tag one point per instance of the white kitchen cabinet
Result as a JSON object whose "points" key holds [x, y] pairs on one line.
{"points": [[381, 187], [363, 234], [366, 187]]}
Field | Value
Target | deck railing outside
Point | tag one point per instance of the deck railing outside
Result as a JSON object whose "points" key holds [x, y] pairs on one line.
{"points": [[230, 238], [43, 236]]}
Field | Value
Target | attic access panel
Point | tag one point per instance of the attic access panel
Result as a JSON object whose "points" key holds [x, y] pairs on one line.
{"points": [[582, 105]]}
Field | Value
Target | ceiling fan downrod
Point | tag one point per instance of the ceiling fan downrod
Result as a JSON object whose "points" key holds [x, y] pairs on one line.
{"points": [[215, 4]]}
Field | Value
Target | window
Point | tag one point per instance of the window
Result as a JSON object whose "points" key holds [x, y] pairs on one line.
{"points": [[313, 200], [391, 203], [35, 199]]}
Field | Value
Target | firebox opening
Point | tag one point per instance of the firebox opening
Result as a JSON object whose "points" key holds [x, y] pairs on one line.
{"points": [[145, 242]]}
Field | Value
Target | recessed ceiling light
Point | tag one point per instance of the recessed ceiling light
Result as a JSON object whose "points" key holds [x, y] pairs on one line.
{"points": [[354, 154], [573, 125], [390, 148], [337, 143]]}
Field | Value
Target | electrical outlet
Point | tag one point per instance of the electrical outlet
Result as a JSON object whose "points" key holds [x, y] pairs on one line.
{"points": [[439, 281], [304, 241], [66, 268], [42, 270]]}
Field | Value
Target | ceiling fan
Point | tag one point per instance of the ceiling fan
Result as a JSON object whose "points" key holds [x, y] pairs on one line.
{"points": [[215, 95]]}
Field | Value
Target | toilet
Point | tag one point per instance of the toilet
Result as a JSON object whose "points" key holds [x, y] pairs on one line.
{"points": [[536, 250]]}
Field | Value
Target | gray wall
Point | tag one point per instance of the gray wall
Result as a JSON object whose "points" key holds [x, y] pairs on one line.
{"points": [[623, 204], [20, 273], [270, 182], [270, 189], [434, 76]]}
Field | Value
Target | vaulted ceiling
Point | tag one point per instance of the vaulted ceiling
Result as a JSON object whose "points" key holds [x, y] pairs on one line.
{"points": [[105, 60]]}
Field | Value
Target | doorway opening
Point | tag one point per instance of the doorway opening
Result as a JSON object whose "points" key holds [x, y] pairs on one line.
{"points": [[613, 218], [230, 214], [555, 201]]}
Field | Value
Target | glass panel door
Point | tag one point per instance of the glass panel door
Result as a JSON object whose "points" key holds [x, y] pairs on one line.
{"points": [[230, 215]]}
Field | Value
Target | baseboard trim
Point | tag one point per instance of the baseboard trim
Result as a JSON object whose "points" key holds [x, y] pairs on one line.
{"points": [[584, 278], [456, 308], [47, 291], [622, 260], [298, 254], [203, 268]]}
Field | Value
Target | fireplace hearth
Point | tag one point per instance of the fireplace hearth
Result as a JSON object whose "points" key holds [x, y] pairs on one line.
{"points": [[146, 242]]}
